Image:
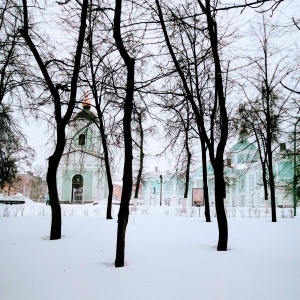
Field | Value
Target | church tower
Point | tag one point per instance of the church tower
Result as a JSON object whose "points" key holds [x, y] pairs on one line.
{"points": [[80, 176]]}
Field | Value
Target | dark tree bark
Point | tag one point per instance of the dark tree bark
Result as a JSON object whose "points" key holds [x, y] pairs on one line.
{"points": [[141, 151], [187, 173], [128, 107], [61, 121], [106, 158], [205, 185], [221, 215], [188, 154], [270, 159]]}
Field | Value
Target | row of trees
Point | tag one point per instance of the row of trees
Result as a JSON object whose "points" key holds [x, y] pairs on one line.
{"points": [[169, 62], [14, 150]]}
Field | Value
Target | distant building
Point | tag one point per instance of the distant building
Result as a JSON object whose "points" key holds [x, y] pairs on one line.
{"points": [[117, 190], [81, 175], [31, 186], [162, 188], [243, 177]]}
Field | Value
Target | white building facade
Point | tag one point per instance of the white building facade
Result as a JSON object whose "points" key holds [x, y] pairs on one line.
{"points": [[162, 188]]}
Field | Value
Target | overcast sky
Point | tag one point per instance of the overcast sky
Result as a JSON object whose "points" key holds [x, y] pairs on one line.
{"points": [[38, 134]]}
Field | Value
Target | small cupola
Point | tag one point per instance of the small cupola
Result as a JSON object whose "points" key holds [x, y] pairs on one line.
{"points": [[85, 113]]}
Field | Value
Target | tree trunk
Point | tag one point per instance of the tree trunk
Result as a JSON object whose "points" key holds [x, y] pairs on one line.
{"points": [[110, 186], [128, 107], [53, 163], [189, 158], [221, 215], [139, 176], [205, 186], [142, 155], [187, 174], [218, 161], [127, 172], [270, 130], [272, 185], [269, 145], [107, 165], [265, 185]]}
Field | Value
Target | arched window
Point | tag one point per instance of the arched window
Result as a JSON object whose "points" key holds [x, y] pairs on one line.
{"points": [[81, 139], [77, 189]]}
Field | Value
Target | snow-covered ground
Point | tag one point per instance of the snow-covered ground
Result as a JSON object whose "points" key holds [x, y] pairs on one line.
{"points": [[169, 255]]}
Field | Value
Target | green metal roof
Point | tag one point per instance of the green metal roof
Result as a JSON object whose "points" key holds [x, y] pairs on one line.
{"points": [[85, 114], [243, 145]]}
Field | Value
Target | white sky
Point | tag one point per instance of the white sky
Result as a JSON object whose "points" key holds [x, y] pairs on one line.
{"points": [[38, 134]]}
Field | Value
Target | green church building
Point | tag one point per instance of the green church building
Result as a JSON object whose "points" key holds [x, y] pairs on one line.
{"points": [[81, 177], [243, 177]]}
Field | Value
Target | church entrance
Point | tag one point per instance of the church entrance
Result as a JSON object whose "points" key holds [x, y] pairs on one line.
{"points": [[77, 189]]}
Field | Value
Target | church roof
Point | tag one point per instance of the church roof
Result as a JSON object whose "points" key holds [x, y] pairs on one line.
{"points": [[85, 114], [88, 153], [243, 145]]}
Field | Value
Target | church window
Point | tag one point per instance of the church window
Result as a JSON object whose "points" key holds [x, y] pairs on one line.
{"points": [[167, 201], [242, 199], [81, 140], [242, 183], [77, 189]]}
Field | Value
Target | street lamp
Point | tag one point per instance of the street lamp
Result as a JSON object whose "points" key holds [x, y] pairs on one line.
{"points": [[161, 183], [154, 193]]}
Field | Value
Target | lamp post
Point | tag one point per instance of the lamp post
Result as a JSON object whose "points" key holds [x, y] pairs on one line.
{"points": [[161, 183], [154, 192], [295, 171]]}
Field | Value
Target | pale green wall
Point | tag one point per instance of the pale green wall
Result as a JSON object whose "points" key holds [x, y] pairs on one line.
{"points": [[66, 186], [87, 185]]}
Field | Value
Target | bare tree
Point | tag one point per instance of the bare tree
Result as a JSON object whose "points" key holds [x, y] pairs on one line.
{"points": [[14, 151], [96, 55], [15, 76], [58, 101], [215, 157], [180, 137], [15, 82], [128, 107], [264, 112]]}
